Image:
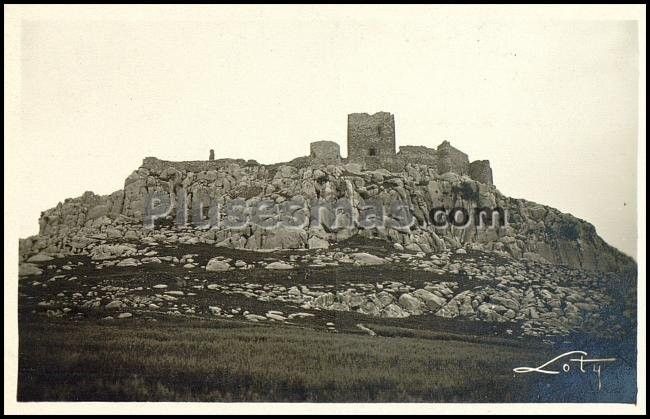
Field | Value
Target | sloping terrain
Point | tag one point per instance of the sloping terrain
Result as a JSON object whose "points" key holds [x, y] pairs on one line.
{"points": [[332, 310], [359, 322], [331, 203]]}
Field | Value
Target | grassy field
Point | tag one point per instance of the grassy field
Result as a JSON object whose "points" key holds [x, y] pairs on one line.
{"points": [[226, 361], [203, 357]]}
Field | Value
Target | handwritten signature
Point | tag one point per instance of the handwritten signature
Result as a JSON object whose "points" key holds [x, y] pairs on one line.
{"points": [[548, 368]]}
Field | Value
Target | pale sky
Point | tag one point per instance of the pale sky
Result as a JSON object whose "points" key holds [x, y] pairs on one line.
{"points": [[553, 104]]}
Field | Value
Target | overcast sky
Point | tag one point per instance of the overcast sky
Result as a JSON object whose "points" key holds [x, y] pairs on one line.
{"points": [[551, 103]]}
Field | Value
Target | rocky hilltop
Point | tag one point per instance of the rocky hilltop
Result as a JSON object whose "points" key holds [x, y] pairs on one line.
{"points": [[541, 273], [533, 231]]}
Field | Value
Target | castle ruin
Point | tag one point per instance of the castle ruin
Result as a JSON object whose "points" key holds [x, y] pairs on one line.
{"points": [[327, 152], [371, 137], [371, 144]]}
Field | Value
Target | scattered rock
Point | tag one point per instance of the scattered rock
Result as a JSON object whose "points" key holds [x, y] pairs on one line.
{"points": [[111, 251], [279, 266], [41, 257], [128, 262], [366, 259], [365, 329], [115, 304], [300, 315], [275, 316]]}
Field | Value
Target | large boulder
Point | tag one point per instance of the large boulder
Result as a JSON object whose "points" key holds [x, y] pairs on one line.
{"points": [[27, 269], [366, 259], [411, 304], [324, 300], [41, 257], [115, 304], [460, 305], [431, 300], [279, 266], [317, 243], [505, 301], [112, 251], [128, 262], [217, 265], [394, 311]]}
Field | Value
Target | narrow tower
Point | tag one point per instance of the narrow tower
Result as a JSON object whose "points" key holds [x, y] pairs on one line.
{"points": [[371, 137]]}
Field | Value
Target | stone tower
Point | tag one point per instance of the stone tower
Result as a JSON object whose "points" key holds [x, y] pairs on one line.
{"points": [[327, 152], [371, 137]]}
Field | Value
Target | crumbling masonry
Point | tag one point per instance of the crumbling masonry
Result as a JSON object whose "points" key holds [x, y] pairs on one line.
{"points": [[371, 144]]}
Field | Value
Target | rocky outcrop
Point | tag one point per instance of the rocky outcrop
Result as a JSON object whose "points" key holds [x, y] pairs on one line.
{"points": [[533, 231]]}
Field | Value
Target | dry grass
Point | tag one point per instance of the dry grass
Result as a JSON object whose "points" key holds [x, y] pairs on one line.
{"points": [[219, 362]]}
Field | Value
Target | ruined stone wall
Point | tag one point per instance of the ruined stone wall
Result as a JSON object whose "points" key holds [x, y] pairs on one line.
{"points": [[419, 155], [327, 152], [391, 163], [452, 159], [480, 171], [157, 165], [371, 136]]}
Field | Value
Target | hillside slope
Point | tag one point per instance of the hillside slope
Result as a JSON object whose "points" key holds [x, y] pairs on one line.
{"points": [[533, 231]]}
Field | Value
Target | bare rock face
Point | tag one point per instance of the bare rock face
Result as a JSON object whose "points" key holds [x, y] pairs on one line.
{"points": [[91, 224]]}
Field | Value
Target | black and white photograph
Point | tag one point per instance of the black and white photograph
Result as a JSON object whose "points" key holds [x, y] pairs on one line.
{"points": [[324, 209]]}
